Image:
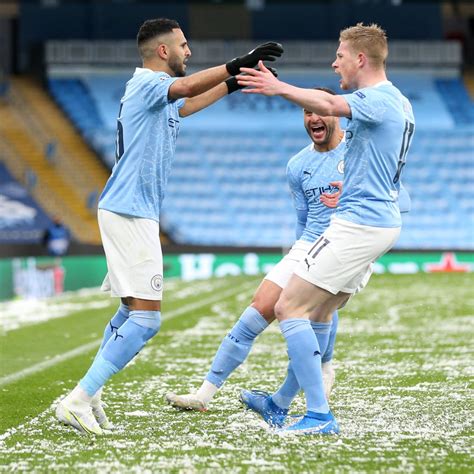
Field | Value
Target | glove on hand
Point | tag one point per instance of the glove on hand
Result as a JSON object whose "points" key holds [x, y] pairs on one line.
{"points": [[233, 85], [265, 52]]}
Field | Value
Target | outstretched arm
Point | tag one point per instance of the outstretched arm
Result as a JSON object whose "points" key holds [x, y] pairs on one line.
{"points": [[263, 82], [195, 104], [197, 83], [201, 101], [202, 81]]}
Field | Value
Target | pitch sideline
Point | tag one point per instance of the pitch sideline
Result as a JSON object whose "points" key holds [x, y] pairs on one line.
{"points": [[7, 379]]}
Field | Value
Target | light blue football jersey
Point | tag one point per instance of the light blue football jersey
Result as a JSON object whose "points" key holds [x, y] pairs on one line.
{"points": [[309, 173], [378, 137], [147, 129]]}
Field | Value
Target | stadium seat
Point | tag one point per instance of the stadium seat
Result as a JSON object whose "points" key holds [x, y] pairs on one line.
{"points": [[228, 184]]}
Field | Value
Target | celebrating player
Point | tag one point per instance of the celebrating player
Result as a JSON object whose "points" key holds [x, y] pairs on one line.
{"points": [[155, 99], [314, 176], [366, 223]]}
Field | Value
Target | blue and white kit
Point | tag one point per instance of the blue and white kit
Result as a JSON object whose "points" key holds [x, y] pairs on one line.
{"points": [[309, 173], [129, 207], [367, 221]]}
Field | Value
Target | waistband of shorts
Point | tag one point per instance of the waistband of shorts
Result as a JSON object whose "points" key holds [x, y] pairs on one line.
{"points": [[339, 221]]}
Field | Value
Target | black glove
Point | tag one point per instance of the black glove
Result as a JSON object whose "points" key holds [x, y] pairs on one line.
{"points": [[265, 52], [233, 85]]}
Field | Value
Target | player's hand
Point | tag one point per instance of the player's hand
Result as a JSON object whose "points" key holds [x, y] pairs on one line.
{"points": [[259, 81], [332, 199], [264, 52], [233, 85]]}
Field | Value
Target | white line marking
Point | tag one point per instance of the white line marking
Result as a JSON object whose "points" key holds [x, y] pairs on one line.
{"points": [[91, 345]]}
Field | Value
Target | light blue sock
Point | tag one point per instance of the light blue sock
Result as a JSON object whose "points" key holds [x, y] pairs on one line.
{"points": [[288, 390], [303, 351], [121, 347], [322, 331], [115, 323], [328, 353], [290, 387], [236, 346]]}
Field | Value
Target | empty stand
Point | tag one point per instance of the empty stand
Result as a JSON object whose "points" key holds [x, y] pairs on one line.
{"points": [[65, 176], [228, 184]]}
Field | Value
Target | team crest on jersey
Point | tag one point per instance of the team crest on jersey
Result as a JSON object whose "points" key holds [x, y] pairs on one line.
{"points": [[157, 282], [340, 167], [360, 94]]}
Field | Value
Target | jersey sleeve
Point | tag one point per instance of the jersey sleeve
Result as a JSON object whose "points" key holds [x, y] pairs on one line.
{"points": [[301, 219], [366, 105], [299, 201], [155, 91]]}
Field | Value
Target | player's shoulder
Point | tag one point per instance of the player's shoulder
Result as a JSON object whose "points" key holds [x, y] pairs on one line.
{"points": [[144, 76], [385, 89], [295, 161], [374, 92], [398, 98], [383, 93]]}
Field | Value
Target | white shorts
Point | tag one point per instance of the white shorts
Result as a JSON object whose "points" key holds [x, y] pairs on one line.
{"points": [[133, 252], [280, 274], [341, 259]]}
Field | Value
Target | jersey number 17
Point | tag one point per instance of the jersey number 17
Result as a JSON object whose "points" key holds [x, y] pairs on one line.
{"points": [[406, 141]]}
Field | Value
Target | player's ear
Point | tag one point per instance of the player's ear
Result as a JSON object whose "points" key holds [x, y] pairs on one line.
{"points": [[162, 51], [361, 59]]}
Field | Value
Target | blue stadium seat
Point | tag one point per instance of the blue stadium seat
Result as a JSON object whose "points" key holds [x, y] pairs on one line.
{"points": [[228, 184]]}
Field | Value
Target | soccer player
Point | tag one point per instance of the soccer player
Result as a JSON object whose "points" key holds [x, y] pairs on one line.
{"points": [[155, 99], [314, 176], [367, 222]]}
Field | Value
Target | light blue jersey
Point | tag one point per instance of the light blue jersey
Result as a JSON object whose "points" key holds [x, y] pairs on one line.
{"points": [[147, 129], [378, 137], [309, 173]]}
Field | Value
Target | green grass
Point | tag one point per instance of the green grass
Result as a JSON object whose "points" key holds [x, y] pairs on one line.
{"points": [[403, 394]]}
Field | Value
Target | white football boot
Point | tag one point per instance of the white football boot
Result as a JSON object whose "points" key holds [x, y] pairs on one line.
{"points": [[97, 406], [78, 414], [188, 401]]}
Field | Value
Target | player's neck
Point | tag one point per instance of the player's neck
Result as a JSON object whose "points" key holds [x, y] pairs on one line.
{"points": [[333, 143], [372, 78]]}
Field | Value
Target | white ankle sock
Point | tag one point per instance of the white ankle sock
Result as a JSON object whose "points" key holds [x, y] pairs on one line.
{"points": [[79, 395], [206, 392]]}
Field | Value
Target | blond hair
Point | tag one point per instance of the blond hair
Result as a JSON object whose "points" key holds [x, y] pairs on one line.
{"points": [[370, 40]]}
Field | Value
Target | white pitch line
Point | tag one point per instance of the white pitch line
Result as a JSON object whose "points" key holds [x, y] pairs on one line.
{"points": [[91, 345]]}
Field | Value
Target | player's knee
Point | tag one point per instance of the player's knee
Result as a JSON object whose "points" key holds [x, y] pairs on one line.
{"points": [[148, 319], [264, 307]]}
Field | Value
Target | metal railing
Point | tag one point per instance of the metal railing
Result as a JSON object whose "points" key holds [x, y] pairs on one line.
{"points": [[447, 54]]}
